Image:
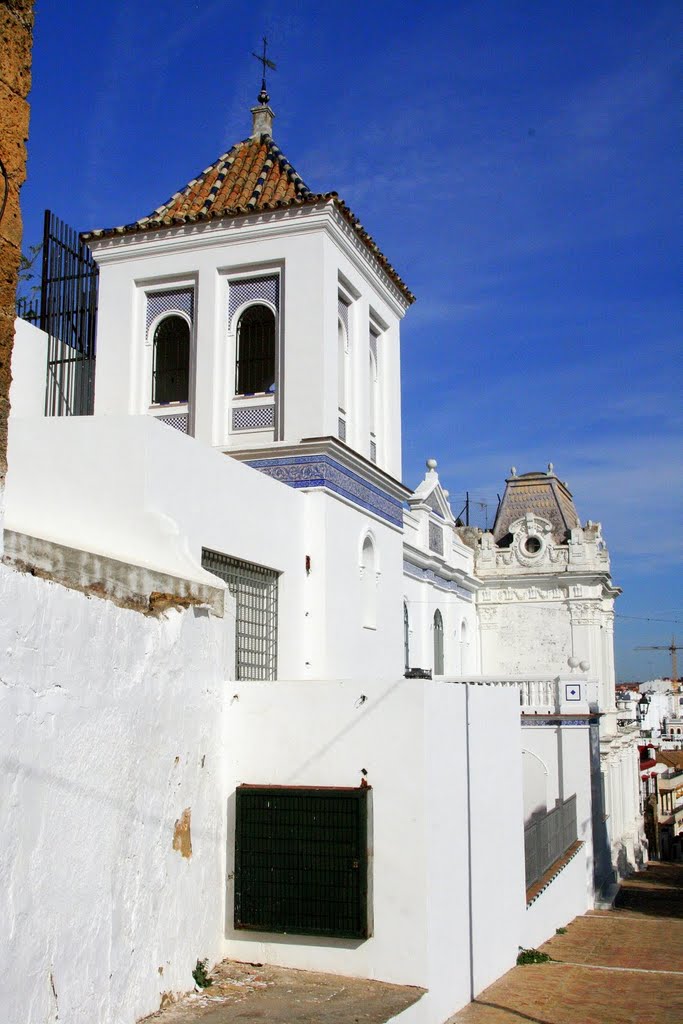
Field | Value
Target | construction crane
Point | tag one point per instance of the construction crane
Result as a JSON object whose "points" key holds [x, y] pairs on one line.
{"points": [[671, 648]]}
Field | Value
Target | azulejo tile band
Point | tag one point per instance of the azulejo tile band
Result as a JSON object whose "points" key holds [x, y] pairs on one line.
{"points": [[311, 471]]}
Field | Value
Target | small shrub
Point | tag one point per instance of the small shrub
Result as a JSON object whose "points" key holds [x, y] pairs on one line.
{"points": [[532, 956], [560, 931], [200, 974]]}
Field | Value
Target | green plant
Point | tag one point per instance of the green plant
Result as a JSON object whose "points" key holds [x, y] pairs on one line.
{"points": [[532, 956], [200, 974], [560, 931]]}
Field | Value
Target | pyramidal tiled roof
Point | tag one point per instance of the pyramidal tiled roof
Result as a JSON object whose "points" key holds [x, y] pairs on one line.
{"points": [[253, 176], [542, 494]]}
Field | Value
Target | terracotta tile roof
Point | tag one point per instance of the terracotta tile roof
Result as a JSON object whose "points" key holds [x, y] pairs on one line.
{"points": [[252, 176], [671, 758]]}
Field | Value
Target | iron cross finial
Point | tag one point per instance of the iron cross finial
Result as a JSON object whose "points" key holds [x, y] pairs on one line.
{"points": [[263, 95]]}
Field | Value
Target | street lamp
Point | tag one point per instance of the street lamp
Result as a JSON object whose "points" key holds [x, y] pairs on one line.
{"points": [[643, 707]]}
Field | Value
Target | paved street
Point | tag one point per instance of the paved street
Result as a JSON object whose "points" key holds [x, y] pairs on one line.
{"points": [[621, 966]]}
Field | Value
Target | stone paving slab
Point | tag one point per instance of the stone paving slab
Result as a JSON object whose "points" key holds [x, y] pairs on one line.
{"points": [[623, 966], [259, 994]]}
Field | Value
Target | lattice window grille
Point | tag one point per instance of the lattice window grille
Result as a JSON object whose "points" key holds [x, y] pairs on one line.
{"points": [[343, 312], [435, 538], [373, 345], [373, 452], [256, 606], [179, 300], [341, 428], [301, 860], [178, 420], [253, 417], [257, 289]]}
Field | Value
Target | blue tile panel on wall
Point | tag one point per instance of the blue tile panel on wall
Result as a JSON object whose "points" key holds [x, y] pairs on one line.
{"points": [[312, 471]]}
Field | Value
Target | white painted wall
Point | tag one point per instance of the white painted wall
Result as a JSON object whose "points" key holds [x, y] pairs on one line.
{"points": [[29, 370], [340, 644], [134, 489], [564, 750], [560, 903], [110, 727], [410, 737], [308, 248]]}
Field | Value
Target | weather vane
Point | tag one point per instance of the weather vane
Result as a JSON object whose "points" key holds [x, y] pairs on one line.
{"points": [[263, 95]]}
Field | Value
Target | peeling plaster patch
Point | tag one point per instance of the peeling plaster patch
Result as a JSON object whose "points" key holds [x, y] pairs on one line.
{"points": [[182, 838]]}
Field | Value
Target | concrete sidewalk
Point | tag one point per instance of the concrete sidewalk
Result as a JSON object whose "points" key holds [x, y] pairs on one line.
{"points": [[621, 966]]}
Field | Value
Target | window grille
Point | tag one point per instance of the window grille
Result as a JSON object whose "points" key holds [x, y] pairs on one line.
{"points": [[343, 313], [253, 417], [181, 300], [255, 591], [341, 428], [438, 643], [258, 289], [255, 369], [179, 421], [171, 372], [301, 861], [373, 451]]}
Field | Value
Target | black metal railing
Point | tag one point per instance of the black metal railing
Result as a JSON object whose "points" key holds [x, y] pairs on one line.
{"points": [[68, 315], [547, 838], [28, 308]]}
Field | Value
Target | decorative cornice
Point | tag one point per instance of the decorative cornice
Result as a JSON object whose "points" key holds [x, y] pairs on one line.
{"points": [[326, 464], [435, 577], [553, 720]]}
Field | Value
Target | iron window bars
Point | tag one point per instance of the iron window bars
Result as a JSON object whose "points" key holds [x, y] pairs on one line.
{"points": [[301, 860], [255, 591]]}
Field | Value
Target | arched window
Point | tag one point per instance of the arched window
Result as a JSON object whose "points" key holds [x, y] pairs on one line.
{"points": [[438, 643], [406, 635], [171, 367], [255, 365], [369, 582]]}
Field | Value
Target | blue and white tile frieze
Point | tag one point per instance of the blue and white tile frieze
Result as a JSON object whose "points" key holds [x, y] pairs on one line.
{"points": [[309, 471]]}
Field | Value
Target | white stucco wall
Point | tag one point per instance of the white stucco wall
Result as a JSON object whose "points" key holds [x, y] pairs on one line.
{"points": [[564, 750], [411, 738], [110, 728], [131, 488], [308, 248], [562, 901], [339, 642], [526, 638], [29, 370]]}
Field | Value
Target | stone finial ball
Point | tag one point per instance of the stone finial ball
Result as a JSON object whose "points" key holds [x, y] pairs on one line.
{"points": [[572, 662], [584, 665], [431, 463]]}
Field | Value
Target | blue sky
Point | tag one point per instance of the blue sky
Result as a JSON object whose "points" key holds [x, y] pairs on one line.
{"points": [[517, 163]]}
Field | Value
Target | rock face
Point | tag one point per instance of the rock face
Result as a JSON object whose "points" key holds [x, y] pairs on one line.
{"points": [[16, 35]]}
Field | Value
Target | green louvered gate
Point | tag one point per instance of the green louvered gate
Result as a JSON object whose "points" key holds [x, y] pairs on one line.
{"points": [[301, 860]]}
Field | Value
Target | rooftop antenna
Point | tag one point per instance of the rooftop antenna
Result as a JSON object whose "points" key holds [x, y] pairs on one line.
{"points": [[263, 96]]}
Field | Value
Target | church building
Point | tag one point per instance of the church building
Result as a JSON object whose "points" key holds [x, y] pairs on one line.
{"points": [[272, 702]]}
